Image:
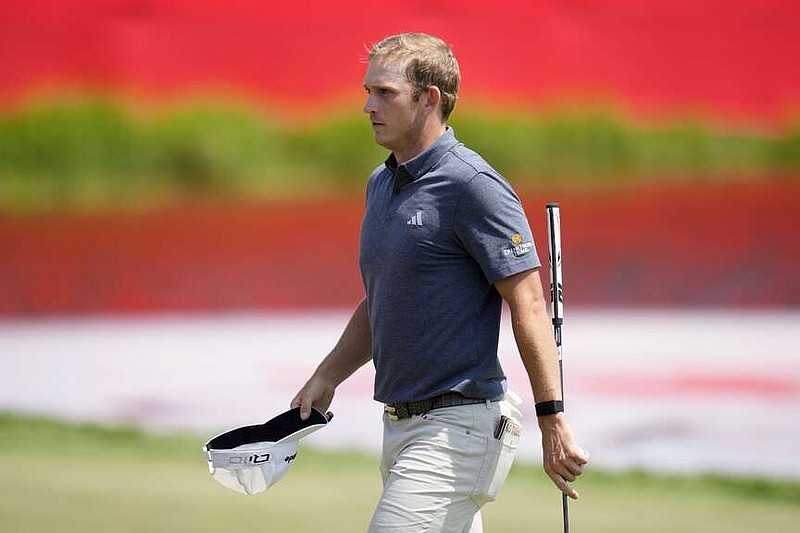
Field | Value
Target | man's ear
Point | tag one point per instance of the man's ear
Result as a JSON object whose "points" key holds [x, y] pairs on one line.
{"points": [[433, 97]]}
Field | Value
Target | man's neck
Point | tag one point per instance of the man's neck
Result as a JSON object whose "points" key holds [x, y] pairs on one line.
{"points": [[426, 138]]}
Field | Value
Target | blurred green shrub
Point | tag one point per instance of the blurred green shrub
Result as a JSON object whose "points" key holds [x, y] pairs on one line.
{"points": [[595, 147], [100, 153]]}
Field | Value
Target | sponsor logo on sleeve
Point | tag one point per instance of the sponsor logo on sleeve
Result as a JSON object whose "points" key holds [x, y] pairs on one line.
{"points": [[519, 247]]}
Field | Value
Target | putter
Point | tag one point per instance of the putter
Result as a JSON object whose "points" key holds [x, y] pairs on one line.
{"points": [[557, 307]]}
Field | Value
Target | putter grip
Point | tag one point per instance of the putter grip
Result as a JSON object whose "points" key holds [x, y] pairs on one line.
{"points": [[554, 250]]}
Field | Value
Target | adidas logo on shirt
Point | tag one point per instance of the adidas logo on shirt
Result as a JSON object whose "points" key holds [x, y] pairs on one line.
{"points": [[416, 220]]}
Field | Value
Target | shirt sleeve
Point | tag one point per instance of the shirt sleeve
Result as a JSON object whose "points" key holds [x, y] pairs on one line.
{"points": [[492, 227]]}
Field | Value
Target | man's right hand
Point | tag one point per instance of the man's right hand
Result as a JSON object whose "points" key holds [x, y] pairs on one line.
{"points": [[317, 392]]}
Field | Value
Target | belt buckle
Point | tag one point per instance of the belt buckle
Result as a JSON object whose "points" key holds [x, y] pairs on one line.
{"points": [[391, 412]]}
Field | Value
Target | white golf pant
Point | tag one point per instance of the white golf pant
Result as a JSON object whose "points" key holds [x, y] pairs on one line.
{"points": [[441, 467]]}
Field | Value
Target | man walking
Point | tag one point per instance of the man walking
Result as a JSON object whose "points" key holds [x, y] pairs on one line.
{"points": [[444, 241]]}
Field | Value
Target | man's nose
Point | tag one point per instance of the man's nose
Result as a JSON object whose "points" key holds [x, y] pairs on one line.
{"points": [[369, 105]]}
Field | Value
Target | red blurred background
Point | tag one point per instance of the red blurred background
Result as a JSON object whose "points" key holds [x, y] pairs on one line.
{"points": [[729, 59]]}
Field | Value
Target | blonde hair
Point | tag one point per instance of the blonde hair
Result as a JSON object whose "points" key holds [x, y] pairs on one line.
{"points": [[430, 63]]}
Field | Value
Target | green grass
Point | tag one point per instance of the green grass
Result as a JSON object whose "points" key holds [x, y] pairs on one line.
{"points": [[97, 153], [66, 477]]}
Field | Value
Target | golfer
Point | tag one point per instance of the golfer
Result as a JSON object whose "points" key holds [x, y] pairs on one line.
{"points": [[444, 241]]}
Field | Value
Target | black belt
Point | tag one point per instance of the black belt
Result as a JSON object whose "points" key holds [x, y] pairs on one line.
{"points": [[398, 411]]}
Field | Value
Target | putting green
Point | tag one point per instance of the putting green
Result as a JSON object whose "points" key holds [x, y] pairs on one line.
{"points": [[65, 478]]}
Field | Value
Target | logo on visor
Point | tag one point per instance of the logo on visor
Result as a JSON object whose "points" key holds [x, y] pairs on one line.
{"points": [[255, 459], [289, 459]]}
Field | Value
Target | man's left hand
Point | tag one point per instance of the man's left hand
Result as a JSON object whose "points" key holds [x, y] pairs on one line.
{"points": [[563, 458]]}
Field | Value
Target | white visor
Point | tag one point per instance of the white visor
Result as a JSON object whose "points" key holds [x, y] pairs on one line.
{"points": [[251, 459]]}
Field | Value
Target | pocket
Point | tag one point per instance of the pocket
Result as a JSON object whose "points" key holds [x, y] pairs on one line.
{"points": [[494, 471], [500, 454]]}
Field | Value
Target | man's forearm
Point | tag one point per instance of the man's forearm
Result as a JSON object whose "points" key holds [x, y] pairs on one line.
{"points": [[351, 352], [537, 348], [533, 332]]}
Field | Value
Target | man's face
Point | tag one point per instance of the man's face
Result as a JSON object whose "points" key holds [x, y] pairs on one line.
{"points": [[396, 116]]}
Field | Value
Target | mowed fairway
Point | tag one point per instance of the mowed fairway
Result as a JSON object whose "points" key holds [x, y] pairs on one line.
{"points": [[58, 477]]}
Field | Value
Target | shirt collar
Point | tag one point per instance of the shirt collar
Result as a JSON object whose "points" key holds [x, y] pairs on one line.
{"points": [[421, 164]]}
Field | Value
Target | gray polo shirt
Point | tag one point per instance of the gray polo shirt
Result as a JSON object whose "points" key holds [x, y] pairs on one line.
{"points": [[438, 231]]}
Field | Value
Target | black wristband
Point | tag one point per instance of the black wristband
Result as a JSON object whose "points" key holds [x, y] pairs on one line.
{"points": [[549, 408]]}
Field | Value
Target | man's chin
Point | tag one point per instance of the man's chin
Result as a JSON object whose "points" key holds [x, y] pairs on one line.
{"points": [[380, 140]]}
